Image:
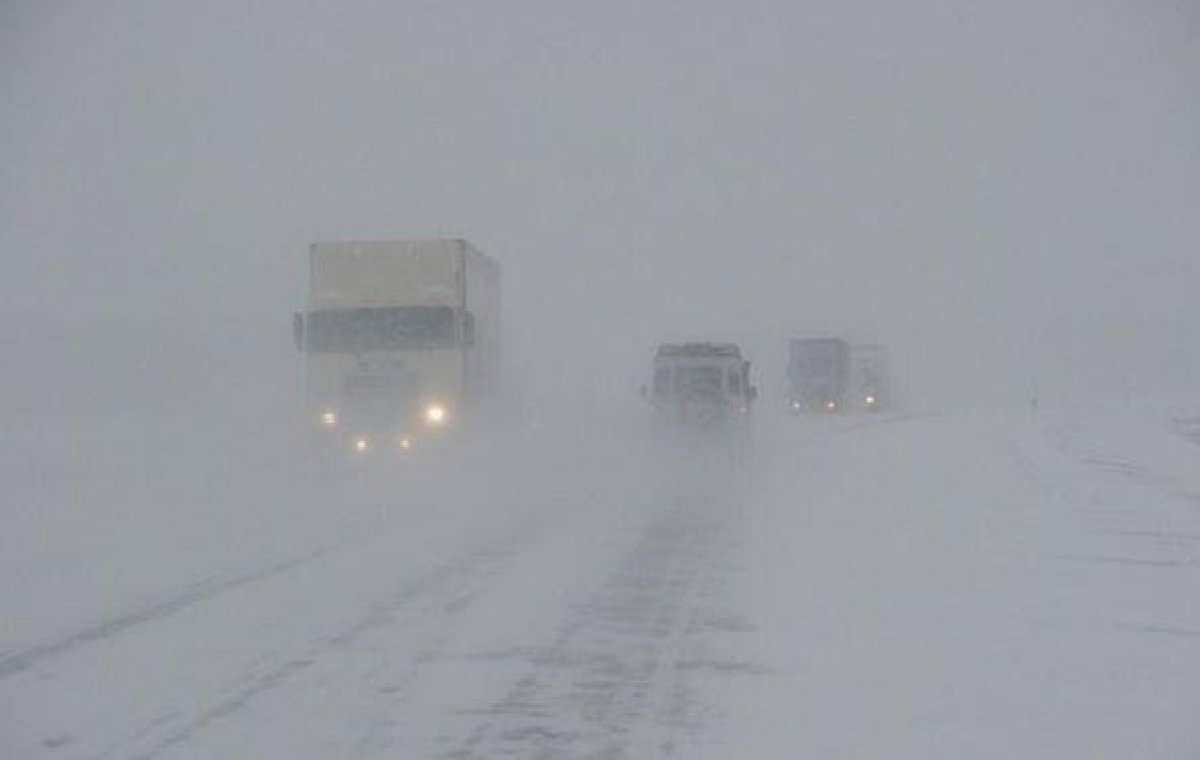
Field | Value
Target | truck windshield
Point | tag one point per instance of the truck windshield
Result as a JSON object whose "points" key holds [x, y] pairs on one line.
{"points": [[818, 358], [699, 381], [394, 328]]}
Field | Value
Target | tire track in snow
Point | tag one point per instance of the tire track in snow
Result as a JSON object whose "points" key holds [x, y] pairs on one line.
{"points": [[458, 582], [18, 662], [605, 685]]}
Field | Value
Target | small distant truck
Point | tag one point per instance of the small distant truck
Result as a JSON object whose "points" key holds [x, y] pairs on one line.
{"points": [[401, 341], [818, 374], [701, 386], [869, 371]]}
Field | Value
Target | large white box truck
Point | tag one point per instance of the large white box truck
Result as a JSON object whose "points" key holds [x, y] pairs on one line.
{"points": [[401, 341]]}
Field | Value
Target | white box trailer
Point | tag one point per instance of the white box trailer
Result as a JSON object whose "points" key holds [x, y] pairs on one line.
{"points": [[818, 374], [401, 339]]}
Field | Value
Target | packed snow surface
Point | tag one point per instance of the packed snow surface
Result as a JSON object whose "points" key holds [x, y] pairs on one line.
{"points": [[955, 585]]}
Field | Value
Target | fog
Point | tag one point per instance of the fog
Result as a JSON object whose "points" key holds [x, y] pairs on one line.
{"points": [[1004, 194]]}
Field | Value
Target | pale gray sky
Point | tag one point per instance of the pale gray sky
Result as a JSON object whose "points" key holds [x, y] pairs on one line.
{"points": [[1003, 191]]}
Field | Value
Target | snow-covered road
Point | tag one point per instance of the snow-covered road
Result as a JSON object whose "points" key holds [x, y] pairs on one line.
{"points": [[901, 586]]}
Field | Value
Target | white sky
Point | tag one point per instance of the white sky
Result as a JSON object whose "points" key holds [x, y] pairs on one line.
{"points": [[1005, 192]]}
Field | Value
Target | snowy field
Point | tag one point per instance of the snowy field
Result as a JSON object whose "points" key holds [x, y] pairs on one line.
{"points": [[953, 585]]}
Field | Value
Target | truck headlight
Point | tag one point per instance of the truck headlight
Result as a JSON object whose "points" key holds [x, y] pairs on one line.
{"points": [[869, 401], [329, 418], [435, 414], [362, 444]]}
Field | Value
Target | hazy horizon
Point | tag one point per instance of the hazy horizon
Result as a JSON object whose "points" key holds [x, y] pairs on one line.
{"points": [[1004, 194]]}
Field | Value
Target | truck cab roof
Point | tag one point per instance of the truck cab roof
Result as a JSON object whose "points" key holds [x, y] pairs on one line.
{"points": [[699, 350]]}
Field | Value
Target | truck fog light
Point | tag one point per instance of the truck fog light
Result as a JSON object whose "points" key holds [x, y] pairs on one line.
{"points": [[362, 444], [329, 418], [435, 414]]}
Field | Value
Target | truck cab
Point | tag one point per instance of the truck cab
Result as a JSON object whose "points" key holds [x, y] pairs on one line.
{"points": [[701, 386], [401, 342]]}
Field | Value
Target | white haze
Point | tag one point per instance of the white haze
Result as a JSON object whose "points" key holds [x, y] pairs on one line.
{"points": [[1005, 194]]}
